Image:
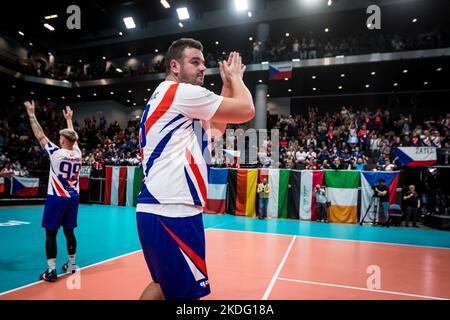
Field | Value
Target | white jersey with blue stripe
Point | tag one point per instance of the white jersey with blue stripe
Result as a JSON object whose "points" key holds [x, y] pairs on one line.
{"points": [[65, 166], [175, 149]]}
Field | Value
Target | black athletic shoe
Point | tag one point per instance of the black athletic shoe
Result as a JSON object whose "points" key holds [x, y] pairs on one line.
{"points": [[50, 276]]}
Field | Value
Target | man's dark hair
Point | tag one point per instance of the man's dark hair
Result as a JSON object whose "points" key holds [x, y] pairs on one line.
{"points": [[381, 181], [176, 49]]}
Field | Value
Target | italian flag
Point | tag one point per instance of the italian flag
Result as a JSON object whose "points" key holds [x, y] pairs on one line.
{"points": [[134, 185], [302, 202], [115, 184], [242, 192], [278, 196], [342, 190]]}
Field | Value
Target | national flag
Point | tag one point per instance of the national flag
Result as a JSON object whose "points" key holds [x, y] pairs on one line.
{"points": [[280, 71], [24, 187], [278, 196], [217, 191], [416, 156], [242, 192], [301, 193], [115, 178], [134, 185], [342, 192], [2, 185], [232, 157], [85, 175], [369, 179]]}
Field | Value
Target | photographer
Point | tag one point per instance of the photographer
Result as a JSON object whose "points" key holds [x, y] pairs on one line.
{"points": [[321, 204], [382, 191], [411, 198]]}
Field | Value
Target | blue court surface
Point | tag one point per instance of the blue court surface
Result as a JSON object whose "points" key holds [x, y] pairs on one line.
{"points": [[106, 232]]}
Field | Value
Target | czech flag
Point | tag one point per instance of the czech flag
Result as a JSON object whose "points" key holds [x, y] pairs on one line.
{"points": [[280, 71], [24, 187], [416, 156]]}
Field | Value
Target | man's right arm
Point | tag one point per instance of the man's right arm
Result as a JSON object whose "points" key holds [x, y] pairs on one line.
{"points": [[35, 126], [239, 107]]}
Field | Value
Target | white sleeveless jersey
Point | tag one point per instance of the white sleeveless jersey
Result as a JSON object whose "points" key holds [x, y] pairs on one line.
{"points": [[65, 166], [175, 149]]}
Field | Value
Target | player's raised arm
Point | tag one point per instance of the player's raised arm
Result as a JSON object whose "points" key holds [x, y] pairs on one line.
{"points": [[68, 115], [35, 126]]}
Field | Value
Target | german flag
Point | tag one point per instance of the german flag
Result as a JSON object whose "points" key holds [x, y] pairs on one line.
{"points": [[241, 196]]}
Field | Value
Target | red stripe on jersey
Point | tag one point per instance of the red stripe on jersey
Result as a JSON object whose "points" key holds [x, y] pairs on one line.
{"points": [[162, 108], [199, 262], [197, 174], [59, 189]]}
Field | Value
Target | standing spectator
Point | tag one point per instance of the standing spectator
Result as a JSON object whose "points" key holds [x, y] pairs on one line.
{"points": [[321, 204], [412, 201], [263, 191]]}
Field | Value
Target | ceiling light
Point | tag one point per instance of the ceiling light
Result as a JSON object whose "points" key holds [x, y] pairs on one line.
{"points": [[180, 24], [260, 81], [63, 97], [326, 29], [250, 38], [439, 69], [134, 103], [286, 79], [129, 54], [129, 91], [119, 70], [414, 20], [104, 58], [129, 22], [373, 73], [340, 87], [183, 13], [289, 90], [330, 2], [78, 96], [148, 89], [287, 34], [425, 83], [268, 95], [217, 42], [21, 33], [165, 4], [314, 89], [405, 71], [250, 14], [128, 100], [314, 77], [31, 44], [111, 93], [342, 75], [120, 33], [49, 27], [395, 84], [94, 94], [241, 5], [31, 92], [53, 16], [212, 84], [367, 86], [156, 50]]}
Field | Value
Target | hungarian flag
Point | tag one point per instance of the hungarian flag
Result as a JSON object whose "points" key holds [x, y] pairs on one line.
{"points": [[280, 71], [342, 191], [278, 196], [24, 187], [115, 178], [217, 191], [302, 201], [369, 179], [2, 185], [242, 192], [134, 185]]}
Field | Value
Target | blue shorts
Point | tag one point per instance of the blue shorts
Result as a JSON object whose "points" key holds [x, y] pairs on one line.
{"points": [[60, 211], [174, 249]]}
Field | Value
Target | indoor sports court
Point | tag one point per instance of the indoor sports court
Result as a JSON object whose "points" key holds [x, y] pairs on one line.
{"points": [[247, 259], [241, 150]]}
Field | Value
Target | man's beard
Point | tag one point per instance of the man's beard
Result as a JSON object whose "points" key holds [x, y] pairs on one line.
{"points": [[192, 79]]}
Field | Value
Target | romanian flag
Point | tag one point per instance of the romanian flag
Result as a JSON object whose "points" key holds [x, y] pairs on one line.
{"points": [[242, 192], [115, 178], [302, 202], [278, 196], [217, 191], [342, 191]]}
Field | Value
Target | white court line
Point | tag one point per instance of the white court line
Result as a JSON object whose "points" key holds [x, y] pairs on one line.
{"points": [[83, 268], [65, 274], [313, 237], [363, 289], [277, 272]]}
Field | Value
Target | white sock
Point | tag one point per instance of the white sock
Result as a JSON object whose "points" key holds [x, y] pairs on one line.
{"points": [[51, 264], [72, 259]]}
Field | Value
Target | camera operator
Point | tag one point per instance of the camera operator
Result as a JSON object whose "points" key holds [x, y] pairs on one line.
{"points": [[382, 191], [411, 198], [321, 204]]}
